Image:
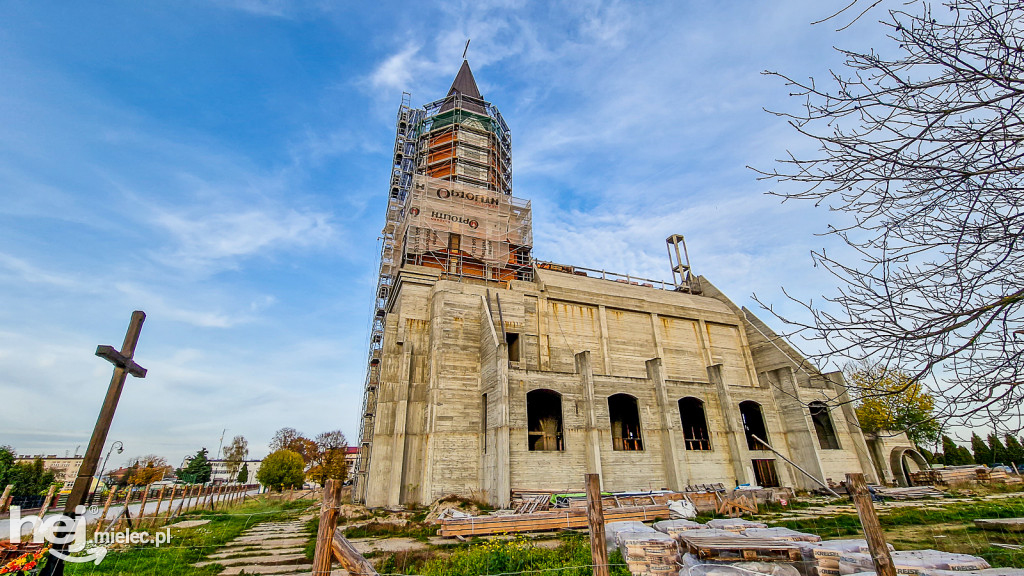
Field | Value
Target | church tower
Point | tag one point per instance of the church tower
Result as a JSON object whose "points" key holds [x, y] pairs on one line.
{"points": [[450, 208]]}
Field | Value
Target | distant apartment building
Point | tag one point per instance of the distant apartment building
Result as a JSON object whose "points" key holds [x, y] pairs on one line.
{"points": [[65, 469]]}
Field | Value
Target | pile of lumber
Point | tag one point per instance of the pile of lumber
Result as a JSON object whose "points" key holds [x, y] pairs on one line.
{"points": [[911, 493], [946, 476], [997, 476], [541, 521]]}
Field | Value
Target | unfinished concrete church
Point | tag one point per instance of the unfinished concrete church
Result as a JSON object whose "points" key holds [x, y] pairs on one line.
{"points": [[491, 371]]}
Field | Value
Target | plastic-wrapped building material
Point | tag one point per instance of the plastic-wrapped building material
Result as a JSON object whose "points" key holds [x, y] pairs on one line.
{"points": [[712, 532], [781, 534], [649, 553], [693, 566], [913, 562], [674, 527], [612, 530], [734, 524]]}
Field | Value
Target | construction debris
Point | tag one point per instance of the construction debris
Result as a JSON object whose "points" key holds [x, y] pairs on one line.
{"points": [[1001, 524], [541, 521]]}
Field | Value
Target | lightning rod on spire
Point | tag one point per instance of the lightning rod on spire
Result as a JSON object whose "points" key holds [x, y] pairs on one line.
{"points": [[466, 49]]}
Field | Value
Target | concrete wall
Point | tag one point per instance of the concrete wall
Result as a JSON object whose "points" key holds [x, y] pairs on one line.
{"points": [[586, 339]]}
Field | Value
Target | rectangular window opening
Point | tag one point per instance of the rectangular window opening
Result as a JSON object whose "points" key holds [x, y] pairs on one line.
{"points": [[764, 473], [512, 339]]}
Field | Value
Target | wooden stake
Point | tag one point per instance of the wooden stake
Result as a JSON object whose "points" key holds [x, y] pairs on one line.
{"points": [[325, 534], [106, 507], [48, 500], [869, 521], [170, 503], [142, 509], [346, 555], [159, 503], [595, 517], [3, 499]]}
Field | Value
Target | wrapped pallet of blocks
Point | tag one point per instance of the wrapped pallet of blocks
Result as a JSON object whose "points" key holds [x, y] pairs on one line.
{"points": [[823, 557], [781, 534], [913, 562], [737, 525], [649, 553], [675, 527], [693, 566]]}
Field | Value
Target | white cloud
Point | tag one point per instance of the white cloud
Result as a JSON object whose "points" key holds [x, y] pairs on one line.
{"points": [[219, 240]]}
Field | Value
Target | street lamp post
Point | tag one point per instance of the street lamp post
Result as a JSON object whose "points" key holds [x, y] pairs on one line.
{"points": [[120, 449]]}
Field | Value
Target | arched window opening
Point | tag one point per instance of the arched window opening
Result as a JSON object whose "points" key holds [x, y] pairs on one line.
{"points": [[625, 418], [827, 438], [753, 425], [695, 424], [544, 415]]}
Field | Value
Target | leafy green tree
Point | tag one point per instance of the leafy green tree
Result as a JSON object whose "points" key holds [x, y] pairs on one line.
{"points": [[329, 458], [1014, 450], [243, 473], [7, 455], [235, 453], [954, 454], [982, 453], [281, 469], [965, 456], [998, 450], [199, 470], [31, 478], [892, 400]]}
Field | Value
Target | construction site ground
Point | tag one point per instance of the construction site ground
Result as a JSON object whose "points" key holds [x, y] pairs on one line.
{"points": [[401, 542]]}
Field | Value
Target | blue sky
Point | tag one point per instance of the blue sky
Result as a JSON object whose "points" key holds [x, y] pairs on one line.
{"points": [[223, 165]]}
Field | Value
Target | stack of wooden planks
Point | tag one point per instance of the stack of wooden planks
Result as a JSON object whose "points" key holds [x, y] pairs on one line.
{"points": [[911, 493], [744, 549], [541, 521], [946, 476]]}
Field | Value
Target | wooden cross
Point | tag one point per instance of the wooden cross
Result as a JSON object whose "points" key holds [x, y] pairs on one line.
{"points": [[123, 366]]}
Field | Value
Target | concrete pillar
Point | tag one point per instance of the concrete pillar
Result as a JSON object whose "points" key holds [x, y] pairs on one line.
{"points": [[398, 437], [606, 358], [586, 373], [669, 442], [733, 427]]}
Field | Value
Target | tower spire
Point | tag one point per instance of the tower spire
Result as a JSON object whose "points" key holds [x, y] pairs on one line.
{"points": [[464, 91]]}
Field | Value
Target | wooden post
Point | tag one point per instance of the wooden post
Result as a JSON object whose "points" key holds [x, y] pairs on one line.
{"points": [[325, 535], [3, 499], [346, 555], [869, 521], [595, 517], [48, 500], [142, 508], [170, 503], [291, 493], [106, 507], [159, 503]]}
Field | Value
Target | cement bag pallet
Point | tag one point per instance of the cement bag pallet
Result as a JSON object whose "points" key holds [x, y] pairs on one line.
{"points": [[675, 527], [913, 562], [734, 524], [649, 553], [612, 531], [781, 534], [693, 566]]}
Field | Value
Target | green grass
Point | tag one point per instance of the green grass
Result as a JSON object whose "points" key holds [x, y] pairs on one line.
{"points": [[190, 545], [498, 556], [416, 530], [949, 527]]}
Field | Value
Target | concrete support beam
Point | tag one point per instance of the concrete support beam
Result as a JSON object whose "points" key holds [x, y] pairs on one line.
{"points": [[669, 441], [740, 456], [850, 416]]}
